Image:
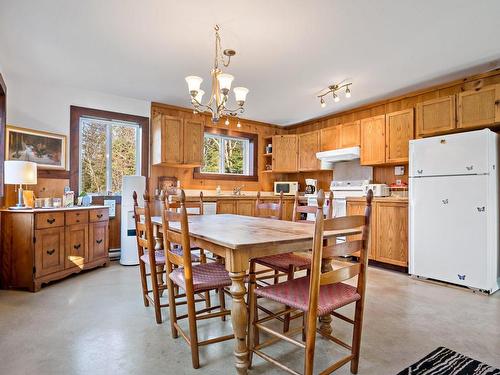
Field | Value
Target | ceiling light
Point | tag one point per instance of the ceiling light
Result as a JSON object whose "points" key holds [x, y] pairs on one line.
{"points": [[238, 124], [334, 89], [221, 84], [226, 122]]}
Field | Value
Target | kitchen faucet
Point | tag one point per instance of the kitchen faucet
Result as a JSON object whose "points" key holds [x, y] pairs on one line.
{"points": [[237, 190]]}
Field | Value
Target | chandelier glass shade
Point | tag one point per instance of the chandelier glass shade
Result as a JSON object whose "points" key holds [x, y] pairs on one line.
{"points": [[217, 104]]}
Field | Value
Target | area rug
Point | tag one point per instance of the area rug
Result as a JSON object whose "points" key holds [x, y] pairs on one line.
{"points": [[443, 361]]}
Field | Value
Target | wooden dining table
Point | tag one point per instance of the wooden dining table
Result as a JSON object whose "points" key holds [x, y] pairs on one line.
{"points": [[238, 239]]}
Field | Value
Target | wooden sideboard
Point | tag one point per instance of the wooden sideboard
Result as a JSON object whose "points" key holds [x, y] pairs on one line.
{"points": [[42, 245]]}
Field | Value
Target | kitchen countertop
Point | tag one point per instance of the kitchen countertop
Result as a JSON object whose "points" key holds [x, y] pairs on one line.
{"points": [[211, 196], [379, 199]]}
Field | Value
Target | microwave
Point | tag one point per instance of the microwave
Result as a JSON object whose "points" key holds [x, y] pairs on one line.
{"points": [[287, 187]]}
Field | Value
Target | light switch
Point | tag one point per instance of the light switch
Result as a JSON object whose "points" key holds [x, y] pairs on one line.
{"points": [[399, 170]]}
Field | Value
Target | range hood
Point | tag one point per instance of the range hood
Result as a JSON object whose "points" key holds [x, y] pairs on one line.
{"points": [[328, 158]]}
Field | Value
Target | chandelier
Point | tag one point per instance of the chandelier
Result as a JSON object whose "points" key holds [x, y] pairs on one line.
{"points": [[221, 85], [334, 89]]}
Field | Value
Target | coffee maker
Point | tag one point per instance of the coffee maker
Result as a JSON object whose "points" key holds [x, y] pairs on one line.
{"points": [[311, 184]]}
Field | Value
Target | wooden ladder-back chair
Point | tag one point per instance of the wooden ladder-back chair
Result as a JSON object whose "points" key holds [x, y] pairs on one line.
{"points": [[319, 294], [193, 279], [155, 259]]}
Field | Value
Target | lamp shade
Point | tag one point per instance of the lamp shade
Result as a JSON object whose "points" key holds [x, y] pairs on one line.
{"points": [[194, 83], [240, 93], [225, 81], [20, 172]]}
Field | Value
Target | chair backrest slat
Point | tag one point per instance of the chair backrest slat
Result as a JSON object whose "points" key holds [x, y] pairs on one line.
{"points": [[344, 222], [274, 210], [339, 275], [174, 204], [176, 259], [144, 228], [342, 249]]}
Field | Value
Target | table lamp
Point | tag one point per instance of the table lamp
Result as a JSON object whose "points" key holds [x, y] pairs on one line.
{"points": [[20, 173]]}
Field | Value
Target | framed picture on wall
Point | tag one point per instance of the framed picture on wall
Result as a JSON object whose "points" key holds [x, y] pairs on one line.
{"points": [[48, 150]]}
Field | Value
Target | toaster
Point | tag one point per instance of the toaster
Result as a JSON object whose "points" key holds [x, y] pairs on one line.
{"points": [[379, 190]]}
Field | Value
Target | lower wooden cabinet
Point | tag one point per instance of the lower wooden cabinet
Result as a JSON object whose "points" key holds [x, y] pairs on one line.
{"points": [[246, 207], [388, 232], [39, 246]]}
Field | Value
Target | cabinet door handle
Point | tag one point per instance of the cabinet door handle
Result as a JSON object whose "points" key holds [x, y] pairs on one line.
{"points": [[77, 246], [77, 220], [50, 252], [51, 221], [98, 241], [99, 216]]}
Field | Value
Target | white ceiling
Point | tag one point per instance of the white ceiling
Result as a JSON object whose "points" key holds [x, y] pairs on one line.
{"points": [[287, 50]]}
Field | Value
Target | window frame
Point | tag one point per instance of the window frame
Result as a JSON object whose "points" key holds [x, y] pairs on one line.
{"points": [[252, 157], [74, 140], [109, 148]]}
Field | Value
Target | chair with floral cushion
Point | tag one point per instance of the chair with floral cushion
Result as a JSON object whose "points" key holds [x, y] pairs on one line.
{"points": [[318, 294], [194, 280]]}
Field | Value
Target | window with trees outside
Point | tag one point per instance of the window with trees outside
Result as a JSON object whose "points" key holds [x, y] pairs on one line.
{"points": [[109, 149], [226, 155]]}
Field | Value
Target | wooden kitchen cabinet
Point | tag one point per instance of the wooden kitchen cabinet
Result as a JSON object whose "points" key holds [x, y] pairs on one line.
{"points": [[176, 142], [39, 246], [330, 138], [49, 251], [436, 116], [398, 132], [479, 107], [245, 207], [373, 140], [309, 145], [358, 208], [350, 134], [77, 246], [285, 153], [226, 206], [391, 231]]}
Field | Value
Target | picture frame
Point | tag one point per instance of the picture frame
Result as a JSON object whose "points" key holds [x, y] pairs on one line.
{"points": [[47, 150]]}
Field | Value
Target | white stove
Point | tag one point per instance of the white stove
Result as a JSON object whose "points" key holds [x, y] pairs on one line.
{"points": [[341, 191]]}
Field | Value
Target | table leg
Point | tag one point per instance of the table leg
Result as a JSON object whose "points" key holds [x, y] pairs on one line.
{"points": [[325, 321], [239, 319]]}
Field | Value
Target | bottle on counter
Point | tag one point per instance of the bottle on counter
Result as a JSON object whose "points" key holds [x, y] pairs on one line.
{"points": [[218, 190]]}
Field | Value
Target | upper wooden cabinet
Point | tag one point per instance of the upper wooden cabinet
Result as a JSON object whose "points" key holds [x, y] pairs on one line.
{"points": [[309, 145], [176, 141], [398, 132], [436, 116], [479, 107], [285, 153], [350, 134], [373, 140], [330, 138]]}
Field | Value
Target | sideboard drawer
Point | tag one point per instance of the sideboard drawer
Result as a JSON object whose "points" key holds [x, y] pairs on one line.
{"points": [[77, 217], [101, 214], [49, 220]]}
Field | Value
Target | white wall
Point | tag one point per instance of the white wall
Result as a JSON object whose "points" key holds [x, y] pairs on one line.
{"points": [[45, 107]]}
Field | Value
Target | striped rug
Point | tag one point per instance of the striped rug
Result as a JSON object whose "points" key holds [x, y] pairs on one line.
{"points": [[443, 361]]}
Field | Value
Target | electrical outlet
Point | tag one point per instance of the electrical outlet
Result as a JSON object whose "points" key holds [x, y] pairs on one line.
{"points": [[399, 170]]}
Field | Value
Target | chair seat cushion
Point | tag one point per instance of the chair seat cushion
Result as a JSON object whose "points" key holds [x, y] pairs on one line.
{"points": [[205, 276], [281, 262], [159, 257], [178, 251], [295, 293]]}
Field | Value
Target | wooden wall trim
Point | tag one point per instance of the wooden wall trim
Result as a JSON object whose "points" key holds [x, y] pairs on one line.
{"points": [[74, 138], [407, 96], [3, 121]]}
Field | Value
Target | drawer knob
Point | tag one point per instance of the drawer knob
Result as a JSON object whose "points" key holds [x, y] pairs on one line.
{"points": [[99, 216], [98, 241], [51, 220], [50, 252], [77, 246]]}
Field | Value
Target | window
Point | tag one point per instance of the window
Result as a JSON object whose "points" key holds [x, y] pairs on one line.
{"points": [[109, 149], [228, 155]]}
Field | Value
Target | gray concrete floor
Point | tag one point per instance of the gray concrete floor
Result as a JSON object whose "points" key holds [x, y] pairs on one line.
{"points": [[95, 323]]}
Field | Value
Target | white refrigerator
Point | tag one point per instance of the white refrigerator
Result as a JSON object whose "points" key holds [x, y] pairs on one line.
{"points": [[453, 203]]}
